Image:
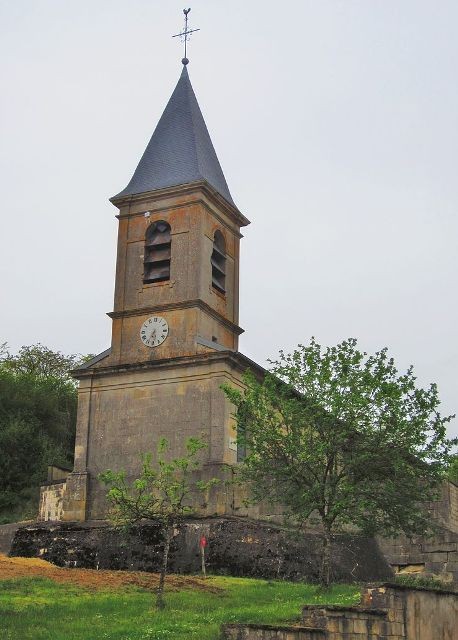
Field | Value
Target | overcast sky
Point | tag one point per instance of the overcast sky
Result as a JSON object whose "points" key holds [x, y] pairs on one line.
{"points": [[336, 126]]}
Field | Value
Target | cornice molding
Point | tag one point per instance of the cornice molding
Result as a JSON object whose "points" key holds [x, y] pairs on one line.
{"points": [[187, 304], [235, 358], [178, 190]]}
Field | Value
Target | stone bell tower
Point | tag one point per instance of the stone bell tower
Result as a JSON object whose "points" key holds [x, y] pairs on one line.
{"points": [[175, 318], [178, 243]]}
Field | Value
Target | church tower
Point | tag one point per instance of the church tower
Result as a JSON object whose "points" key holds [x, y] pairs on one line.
{"points": [[178, 244], [175, 318]]}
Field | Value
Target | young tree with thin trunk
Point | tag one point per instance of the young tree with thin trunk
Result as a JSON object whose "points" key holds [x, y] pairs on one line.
{"points": [[161, 493], [342, 435]]}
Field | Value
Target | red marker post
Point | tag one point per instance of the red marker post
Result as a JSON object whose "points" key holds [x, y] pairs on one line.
{"points": [[202, 545]]}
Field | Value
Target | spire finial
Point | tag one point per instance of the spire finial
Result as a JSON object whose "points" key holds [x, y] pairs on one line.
{"points": [[185, 35]]}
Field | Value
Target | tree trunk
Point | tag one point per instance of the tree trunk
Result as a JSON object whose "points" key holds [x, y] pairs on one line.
{"points": [[160, 604], [325, 577]]}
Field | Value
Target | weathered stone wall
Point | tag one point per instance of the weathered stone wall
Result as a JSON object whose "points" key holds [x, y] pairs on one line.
{"points": [[431, 615], [445, 510], [435, 556], [270, 632], [416, 614], [193, 215], [353, 623], [386, 613], [124, 414], [51, 501], [7, 532], [235, 546]]}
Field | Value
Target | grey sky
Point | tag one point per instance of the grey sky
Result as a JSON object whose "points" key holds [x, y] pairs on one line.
{"points": [[336, 126]]}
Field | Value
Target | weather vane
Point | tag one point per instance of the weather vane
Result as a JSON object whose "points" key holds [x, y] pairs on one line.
{"points": [[185, 35]]}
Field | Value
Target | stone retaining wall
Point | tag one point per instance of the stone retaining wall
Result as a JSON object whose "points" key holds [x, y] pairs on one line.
{"points": [[387, 612], [7, 533], [416, 614], [236, 547], [436, 556]]}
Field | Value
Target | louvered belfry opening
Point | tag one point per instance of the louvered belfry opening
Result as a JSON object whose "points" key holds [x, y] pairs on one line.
{"points": [[218, 261], [158, 244]]}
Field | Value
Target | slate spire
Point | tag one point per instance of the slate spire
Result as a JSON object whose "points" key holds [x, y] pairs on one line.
{"points": [[180, 150]]}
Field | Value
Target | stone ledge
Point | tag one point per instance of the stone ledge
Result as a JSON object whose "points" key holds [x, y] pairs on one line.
{"points": [[403, 587], [271, 627], [337, 608], [270, 632]]}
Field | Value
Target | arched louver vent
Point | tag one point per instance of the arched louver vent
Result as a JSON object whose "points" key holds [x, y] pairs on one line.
{"points": [[156, 262], [218, 261]]}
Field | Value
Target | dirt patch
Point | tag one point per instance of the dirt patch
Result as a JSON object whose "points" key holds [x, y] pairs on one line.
{"points": [[93, 579]]}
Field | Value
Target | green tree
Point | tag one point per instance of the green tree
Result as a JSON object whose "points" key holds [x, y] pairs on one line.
{"points": [[342, 435], [452, 470], [162, 493], [41, 363], [37, 423]]}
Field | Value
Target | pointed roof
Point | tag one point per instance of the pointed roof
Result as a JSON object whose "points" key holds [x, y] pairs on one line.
{"points": [[180, 150]]}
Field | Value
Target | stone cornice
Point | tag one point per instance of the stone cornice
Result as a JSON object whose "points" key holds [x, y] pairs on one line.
{"points": [[160, 208], [187, 304], [235, 358], [192, 187]]}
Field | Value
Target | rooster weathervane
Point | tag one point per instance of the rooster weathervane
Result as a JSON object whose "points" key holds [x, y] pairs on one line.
{"points": [[185, 35]]}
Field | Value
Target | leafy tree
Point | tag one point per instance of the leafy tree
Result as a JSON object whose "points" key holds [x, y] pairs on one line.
{"points": [[162, 492], [41, 363], [37, 423], [452, 470], [342, 435]]}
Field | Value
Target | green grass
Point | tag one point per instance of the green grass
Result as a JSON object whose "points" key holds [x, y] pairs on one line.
{"points": [[417, 581], [39, 609]]}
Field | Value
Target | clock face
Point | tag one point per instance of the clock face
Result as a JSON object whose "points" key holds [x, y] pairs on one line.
{"points": [[154, 331]]}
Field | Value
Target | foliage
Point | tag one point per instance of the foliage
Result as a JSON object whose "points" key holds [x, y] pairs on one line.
{"points": [[452, 470], [29, 609], [342, 435], [37, 423], [41, 363], [162, 493], [417, 581]]}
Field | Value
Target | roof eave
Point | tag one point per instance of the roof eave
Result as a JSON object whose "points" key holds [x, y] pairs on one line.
{"points": [[122, 200]]}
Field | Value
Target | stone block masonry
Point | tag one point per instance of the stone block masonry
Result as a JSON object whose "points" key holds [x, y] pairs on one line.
{"points": [[348, 622], [270, 632], [445, 509], [387, 612], [436, 556], [7, 533], [51, 501]]}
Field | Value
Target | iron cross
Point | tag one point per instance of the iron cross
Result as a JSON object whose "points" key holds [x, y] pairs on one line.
{"points": [[185, 35]]}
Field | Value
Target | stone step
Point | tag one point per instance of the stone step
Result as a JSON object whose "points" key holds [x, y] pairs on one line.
{"points": [[340, 622], [271, 632]]}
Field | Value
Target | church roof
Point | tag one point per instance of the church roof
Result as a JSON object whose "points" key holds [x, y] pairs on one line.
{"points": [[180, 150]]}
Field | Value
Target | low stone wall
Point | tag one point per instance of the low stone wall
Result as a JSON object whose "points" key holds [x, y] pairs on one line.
{"points": [[351, 623], [416, 614], [387, 612], [269, 632], [7, 533], [236, 547]]}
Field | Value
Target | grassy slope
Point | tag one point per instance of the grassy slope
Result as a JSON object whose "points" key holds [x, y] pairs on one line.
{"points": [[39, 609]]}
